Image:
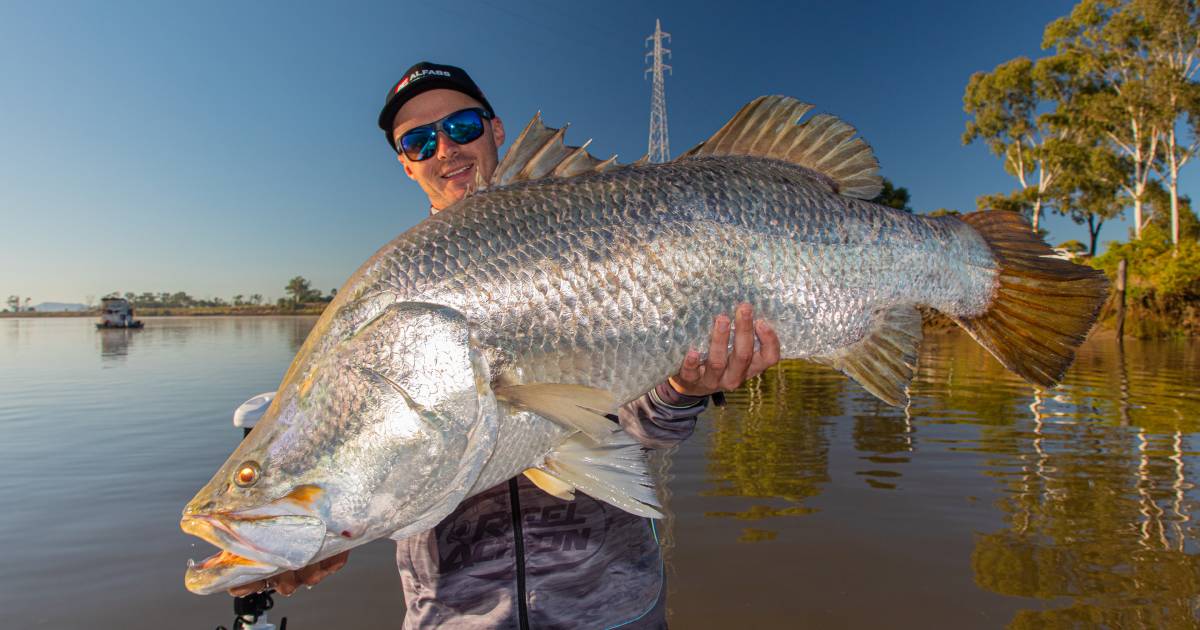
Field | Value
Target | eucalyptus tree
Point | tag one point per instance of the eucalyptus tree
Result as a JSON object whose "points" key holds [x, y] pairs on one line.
{"points": [[1107, 40], [1173, 45], [1004, 105]]}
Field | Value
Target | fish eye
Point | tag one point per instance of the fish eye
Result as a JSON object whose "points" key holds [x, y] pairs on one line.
{"points": [[247, 474]]}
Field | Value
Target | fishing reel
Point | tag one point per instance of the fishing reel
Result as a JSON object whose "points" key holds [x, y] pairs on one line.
{"points": [[249, 613]]}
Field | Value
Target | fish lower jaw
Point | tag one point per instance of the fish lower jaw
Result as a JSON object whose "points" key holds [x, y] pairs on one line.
{"points": [[222, 571]]}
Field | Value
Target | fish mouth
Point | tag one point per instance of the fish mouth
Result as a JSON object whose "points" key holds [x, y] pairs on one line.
{"points": [[251, 547], [283, 534]]}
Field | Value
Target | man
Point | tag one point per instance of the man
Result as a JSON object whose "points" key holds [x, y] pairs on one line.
{"points": [[514, 556]]}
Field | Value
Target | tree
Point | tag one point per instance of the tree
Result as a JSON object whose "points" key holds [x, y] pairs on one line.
{"points": [[891, 196], [1004, 106], [14, 303], [256, 299], [1172, 46], [301, 291], [237, 300], [1106, 39]]}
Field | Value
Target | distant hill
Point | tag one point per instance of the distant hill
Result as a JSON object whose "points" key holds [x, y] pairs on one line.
{"points": [[57, 307]]}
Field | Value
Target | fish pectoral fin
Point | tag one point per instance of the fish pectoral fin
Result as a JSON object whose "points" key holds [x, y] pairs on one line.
{"points": [[613, 471], [573, 406], [885, 361], [550, 484], [769, 126]]}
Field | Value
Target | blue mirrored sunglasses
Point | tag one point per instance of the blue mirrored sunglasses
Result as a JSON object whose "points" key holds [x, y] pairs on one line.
{"points": [[463, 126]]}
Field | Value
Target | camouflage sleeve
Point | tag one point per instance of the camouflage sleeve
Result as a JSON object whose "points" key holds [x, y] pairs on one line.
{"points": [[661, 417]]}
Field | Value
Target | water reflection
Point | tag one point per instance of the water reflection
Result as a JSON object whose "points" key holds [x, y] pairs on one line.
{"points": [[772, 440], [1096, 478], [1097, 499], [114, 343]]}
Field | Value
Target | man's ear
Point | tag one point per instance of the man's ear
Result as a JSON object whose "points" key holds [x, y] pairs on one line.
{"points": [[498, 131], [407, 167]]}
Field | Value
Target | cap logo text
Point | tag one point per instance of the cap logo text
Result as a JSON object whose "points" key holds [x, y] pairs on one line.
{"points": [[421, 74]]}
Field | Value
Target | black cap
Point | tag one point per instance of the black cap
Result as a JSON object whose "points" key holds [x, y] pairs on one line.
{"points": [[421, 78]]}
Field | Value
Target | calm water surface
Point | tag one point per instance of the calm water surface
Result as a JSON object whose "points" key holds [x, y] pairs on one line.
{"points": [[804, 503]]}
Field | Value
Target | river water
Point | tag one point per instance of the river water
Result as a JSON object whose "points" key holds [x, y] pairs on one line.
{"points": [[803, 503]]}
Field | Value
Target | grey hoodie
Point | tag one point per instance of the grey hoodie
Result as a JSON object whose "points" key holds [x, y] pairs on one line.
{"points": [[562, 564]]}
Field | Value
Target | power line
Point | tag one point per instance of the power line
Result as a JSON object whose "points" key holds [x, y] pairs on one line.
{"points": [[659, 149]]}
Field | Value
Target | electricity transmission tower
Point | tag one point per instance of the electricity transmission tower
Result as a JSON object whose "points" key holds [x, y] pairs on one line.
{"points": [[659, 149]]}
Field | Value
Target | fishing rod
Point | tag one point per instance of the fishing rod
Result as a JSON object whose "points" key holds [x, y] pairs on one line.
{"points": [[250, 611]]}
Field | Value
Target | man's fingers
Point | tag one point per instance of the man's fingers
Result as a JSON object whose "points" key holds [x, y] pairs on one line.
{"points": [[247, 589], [768, 349], [743, 348], [286, 583], [718, 353], [333, 564], [689, 371]]}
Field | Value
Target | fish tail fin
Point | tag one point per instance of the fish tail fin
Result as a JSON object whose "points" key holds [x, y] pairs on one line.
{"points": [[1043, 306]]}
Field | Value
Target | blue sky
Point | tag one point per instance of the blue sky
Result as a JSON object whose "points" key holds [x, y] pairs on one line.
{"points": [[222, 148]]}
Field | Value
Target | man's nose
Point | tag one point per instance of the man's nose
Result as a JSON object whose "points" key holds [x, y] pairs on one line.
{"points": [[446, 148]]}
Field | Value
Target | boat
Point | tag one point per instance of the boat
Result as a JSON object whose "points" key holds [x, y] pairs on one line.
{"points": [[117, 312]]}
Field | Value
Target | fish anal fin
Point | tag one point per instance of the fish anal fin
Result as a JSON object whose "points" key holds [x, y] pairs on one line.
{"points": [[573, 406], [885, 360], [540, 152], [613, 471], [550, 484], [770, 127]]}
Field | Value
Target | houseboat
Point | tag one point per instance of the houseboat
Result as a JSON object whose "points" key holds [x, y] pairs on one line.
{"points": [[117, 313]]}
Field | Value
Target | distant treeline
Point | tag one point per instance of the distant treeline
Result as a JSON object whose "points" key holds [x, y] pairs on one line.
{"points": [[299, 293]]}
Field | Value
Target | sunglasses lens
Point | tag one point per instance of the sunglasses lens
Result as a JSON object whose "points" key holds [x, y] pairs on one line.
{"points": [[463, 126], [419, 144]]}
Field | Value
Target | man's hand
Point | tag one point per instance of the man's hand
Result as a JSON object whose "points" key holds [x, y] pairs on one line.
{"points": [[726, 371], [287, 582]]}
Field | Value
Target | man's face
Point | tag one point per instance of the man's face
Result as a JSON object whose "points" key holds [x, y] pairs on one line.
{"points": [[448, 174]]}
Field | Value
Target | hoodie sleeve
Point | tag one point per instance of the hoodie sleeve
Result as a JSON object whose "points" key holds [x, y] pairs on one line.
{"points": [[662, 417]]}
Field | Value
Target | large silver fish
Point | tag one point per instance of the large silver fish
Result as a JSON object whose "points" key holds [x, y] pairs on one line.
{"points": [[492, 338]]}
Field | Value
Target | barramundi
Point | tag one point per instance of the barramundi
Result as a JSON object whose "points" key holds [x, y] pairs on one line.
{"points": [[494, 338]]}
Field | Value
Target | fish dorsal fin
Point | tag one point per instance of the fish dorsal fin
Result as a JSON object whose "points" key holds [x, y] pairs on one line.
{"points": [[540, 152], [885, 360], [769, 126]]}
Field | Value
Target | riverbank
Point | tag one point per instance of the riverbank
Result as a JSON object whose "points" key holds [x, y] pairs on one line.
{"points": [[315, 308]]}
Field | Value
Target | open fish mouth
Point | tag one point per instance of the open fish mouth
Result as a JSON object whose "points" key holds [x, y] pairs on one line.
{"points": [[287, 541], [224, 570]]}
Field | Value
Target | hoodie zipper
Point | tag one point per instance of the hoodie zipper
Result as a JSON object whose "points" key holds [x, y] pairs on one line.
{"points": [[519, 538]]}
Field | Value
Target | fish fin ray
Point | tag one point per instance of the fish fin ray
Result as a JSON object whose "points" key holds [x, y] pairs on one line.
{"points": [[613, 471], [550, 484], [770, 127], [540, 152], [885, 361], [573, 406], [1043, 307]]}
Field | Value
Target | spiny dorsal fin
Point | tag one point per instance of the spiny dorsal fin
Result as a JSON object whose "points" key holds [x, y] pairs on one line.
{"points": [[884, 361], [770, 127], [540, 152]]}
